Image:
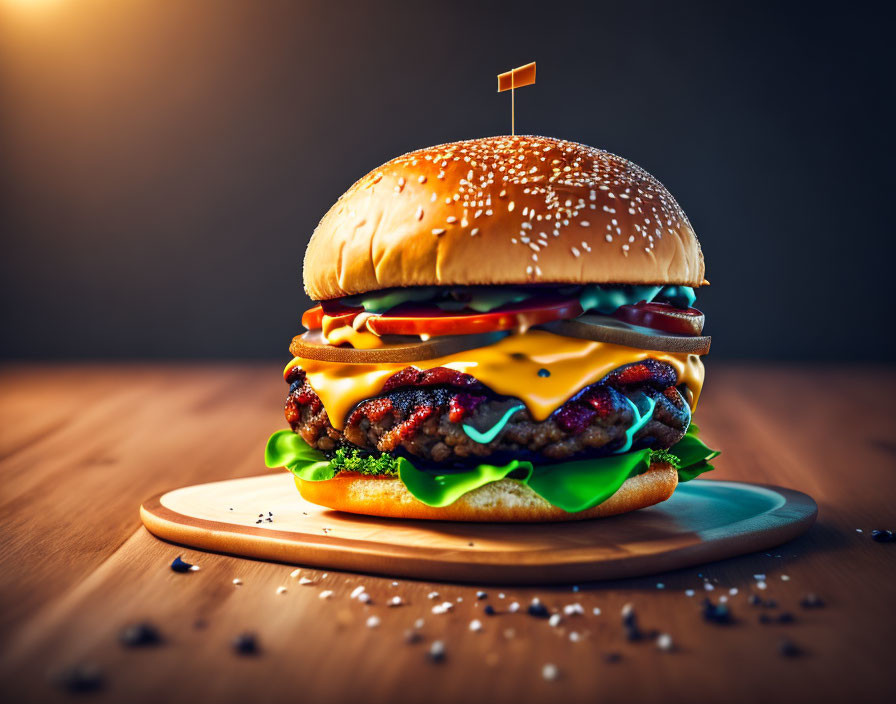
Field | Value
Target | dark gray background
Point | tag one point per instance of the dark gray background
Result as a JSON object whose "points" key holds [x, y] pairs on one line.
{"points": [[163, 164]]}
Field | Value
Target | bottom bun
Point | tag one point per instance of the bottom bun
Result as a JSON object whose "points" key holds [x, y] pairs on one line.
{"points": [[504, 500]]}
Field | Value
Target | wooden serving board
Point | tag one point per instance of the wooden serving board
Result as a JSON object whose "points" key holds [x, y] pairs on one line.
{"points": [[703, 521]]}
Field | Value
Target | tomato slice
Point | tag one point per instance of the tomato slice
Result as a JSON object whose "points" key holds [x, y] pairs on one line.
{"points": [[418, 319], [662, 316], [313, 318]]}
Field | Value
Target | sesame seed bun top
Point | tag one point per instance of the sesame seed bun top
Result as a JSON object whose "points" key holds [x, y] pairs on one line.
{"points": [[502, 210]]}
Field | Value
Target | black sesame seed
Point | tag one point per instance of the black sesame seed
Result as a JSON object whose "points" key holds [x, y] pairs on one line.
{"points": [[883, 536], [633, 634], [538, 610], [489, 610], [543, 372], [139, 635], [770, 604], [612, 657], [785, 617], [754, 600], [180, 566], [716, 613], [246, 644], [412, 636], [765, 618], [789, 649], [436, 652], [84, 677]]}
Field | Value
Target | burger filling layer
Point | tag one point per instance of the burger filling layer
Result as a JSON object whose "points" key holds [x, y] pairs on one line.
{"points": [[571, 418]]}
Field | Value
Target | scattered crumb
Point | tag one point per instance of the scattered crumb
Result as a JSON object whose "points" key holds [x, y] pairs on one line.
{"points": [[664, 642]]}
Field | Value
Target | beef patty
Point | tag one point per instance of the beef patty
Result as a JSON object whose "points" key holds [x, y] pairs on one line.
{"points": [[421, 414]]}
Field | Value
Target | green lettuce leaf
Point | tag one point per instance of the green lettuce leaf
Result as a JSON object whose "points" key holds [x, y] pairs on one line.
{"points": [[693, 455], [583, 484], [445, 489], [685, 474], [287, 449], [572, 486]]}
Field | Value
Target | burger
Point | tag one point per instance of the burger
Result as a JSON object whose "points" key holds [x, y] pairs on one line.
{"points": [[505, 332]]}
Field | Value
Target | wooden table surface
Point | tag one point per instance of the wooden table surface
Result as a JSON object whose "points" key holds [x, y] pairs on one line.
{"points": [[82, 445]]}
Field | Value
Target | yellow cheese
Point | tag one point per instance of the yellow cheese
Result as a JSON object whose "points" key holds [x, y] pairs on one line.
{"points": [[508, 367], [336, 332]]}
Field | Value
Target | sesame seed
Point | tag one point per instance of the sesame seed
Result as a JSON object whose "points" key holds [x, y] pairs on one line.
{"points": [[438, 231], [436, 651], [281, 590], [373, 621], [476, 625], [419, 213], [325, 594], [550, 672]]}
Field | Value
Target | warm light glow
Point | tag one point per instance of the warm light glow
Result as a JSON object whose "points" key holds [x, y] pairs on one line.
{"points": [[30, 3]]}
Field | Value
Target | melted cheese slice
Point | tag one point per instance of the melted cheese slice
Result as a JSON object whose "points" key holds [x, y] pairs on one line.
{"points": [[336, 332], [508, 367]]}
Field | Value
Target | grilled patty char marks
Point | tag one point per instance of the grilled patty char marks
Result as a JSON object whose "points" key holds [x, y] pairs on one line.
{"points": [[420, 414]]}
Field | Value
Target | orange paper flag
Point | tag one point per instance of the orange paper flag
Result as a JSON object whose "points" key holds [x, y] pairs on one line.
{"points": [[517, 78]]}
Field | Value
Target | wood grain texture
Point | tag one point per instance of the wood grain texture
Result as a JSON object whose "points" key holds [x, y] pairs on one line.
{"points": [[82, 445], [703, 521]]}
